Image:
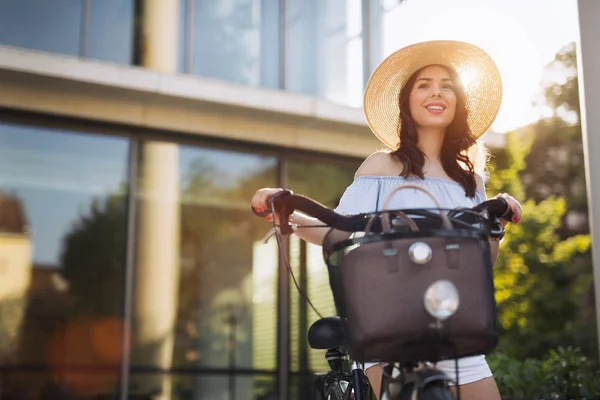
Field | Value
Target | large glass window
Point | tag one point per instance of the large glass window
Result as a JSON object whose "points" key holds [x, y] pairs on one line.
{"points": [[301, 38], [110, 31], [205, 286], [324, 182], [100, 29], [203, 316], [235, 40], [53, 26], [62, 256], [324, 49]]}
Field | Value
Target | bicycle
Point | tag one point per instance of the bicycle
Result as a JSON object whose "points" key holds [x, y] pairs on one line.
{"points": [[338, 383], [410, 371]]}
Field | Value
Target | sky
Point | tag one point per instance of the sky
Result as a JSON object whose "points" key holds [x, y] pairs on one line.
{"points": [[522, 36]]}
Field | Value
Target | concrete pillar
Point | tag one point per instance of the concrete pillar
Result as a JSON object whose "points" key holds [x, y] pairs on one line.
{"points": [[588, 54], [156, 277], [372, 22]]}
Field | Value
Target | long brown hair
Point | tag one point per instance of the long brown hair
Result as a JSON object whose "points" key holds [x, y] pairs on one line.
{"points": [[457, 140]]}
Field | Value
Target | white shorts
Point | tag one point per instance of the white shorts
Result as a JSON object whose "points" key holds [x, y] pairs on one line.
{"points": [[470, 369]]}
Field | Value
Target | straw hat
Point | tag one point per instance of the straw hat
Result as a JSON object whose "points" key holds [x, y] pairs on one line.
{"points": [[480, 76]]}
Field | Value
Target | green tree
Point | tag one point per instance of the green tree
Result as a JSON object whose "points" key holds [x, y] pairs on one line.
{"points": [[541, 285], [555, 164], [548, 171], [93, 258], [564, 373], [561, 85]]}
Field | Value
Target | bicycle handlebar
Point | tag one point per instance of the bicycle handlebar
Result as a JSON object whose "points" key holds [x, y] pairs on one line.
{"points": [[285, 203]]}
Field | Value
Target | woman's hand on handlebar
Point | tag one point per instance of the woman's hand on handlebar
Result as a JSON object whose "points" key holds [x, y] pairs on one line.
{"points": [[312, 229], [517, 210], [260, 201]]}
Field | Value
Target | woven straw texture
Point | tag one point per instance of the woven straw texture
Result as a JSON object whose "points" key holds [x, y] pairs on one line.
{"points": [[479, 74]]}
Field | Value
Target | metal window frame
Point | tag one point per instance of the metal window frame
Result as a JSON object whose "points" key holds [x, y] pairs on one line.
{"points": [[85, 24], [189, 32], [283, 303], [130, 239], [282, 43]]}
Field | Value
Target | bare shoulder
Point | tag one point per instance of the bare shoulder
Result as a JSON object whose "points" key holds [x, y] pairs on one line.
{"points": [[380, 163], [480, 182]]}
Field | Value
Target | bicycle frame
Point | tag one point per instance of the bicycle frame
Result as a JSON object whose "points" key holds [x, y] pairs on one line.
{"points": [[325, 383]]}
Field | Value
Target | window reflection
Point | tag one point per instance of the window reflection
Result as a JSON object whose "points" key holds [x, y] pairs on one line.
{"points": [[204, 287], [325, 183], [210, 303], [301, 35], [326, 60], [256, 386], [236, 40], [58, 26], [110, 31], [62, 252], [53, 26]]}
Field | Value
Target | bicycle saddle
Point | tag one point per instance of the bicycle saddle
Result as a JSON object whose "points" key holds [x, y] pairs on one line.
{"points": [[326, 333]]}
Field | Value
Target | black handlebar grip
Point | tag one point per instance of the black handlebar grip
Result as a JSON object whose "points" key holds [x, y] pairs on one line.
{"points": [[497, 207], [272, 199]]}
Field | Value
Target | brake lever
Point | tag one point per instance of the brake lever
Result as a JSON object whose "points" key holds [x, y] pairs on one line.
{"points": [[276, 231], [272, 231]]}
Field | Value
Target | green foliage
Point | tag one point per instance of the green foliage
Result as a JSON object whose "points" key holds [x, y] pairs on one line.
{"points": [[555, 163], [561, 86], [507, 166], [543, 274], [555, 166], [93, 258], [562, 374], [541, 283]]}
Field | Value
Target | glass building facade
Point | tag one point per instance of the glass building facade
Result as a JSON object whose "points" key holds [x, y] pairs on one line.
{"points": [[318, 48], [130, 264], [88, 288]]}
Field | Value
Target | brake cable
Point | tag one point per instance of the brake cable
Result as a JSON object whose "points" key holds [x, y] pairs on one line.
{"points": [[284, 255]]}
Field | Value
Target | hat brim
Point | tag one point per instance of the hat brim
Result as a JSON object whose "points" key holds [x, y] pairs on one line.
{"points": [[483, 86]]}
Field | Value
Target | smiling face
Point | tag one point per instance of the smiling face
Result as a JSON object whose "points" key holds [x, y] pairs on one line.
{"points": [[432, 99]]}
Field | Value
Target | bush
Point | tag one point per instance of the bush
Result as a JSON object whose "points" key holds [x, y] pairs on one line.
{"points": [[564, 374]]}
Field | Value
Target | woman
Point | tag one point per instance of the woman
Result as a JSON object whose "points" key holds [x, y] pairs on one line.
{"points": [[416, 104]]}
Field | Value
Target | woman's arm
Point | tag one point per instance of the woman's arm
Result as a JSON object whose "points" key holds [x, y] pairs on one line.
{"points": [[315, 230], [313, 233]]}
